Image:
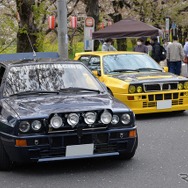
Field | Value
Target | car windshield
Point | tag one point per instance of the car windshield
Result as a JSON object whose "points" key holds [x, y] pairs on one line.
{"points": [[48, 78], [129, 63]]}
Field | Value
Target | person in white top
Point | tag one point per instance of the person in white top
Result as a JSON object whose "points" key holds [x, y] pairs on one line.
{"points": [[186, 47], [175, 56], [107, 45]]}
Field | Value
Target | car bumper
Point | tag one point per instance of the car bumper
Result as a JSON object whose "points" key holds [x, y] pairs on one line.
{"points": [[155, 102], [53, 147]]}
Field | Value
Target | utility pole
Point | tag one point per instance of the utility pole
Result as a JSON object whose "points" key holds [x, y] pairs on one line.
{"points": [[62, 29]]}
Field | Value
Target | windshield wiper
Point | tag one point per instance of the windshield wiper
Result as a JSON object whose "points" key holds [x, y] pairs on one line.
{"points": [[79, 89], [34, 92], [124, 70], [149, 69]]}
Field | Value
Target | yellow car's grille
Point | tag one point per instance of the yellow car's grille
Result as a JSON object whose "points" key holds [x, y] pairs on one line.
{"points": [[165, 96], [149, 87], [154, 104]]}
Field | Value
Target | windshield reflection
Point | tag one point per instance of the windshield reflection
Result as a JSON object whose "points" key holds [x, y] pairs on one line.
{"points": [[48, 77], [112, 63]]}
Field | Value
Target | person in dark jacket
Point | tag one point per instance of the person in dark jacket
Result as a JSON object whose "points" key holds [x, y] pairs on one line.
{"points": [[156, 50], [140, 47]]}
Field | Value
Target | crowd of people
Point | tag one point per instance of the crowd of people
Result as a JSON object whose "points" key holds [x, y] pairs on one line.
{"points": [[175, 52]]}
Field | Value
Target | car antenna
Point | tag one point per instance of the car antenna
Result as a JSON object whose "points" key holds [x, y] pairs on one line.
{"points": [[34, 53]]}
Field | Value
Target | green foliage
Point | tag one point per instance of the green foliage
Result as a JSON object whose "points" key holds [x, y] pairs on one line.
{"points": [[77, 47], [40, 41], [152, 12], [39, 10]]}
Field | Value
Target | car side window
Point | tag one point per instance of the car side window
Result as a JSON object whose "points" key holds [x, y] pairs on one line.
{"points": [[94, 63], [85, 60], [2, 71]]}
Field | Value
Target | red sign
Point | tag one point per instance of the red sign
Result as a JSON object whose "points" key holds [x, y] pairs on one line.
{"points": [[89, 22], [51, 22], [73, 22]]}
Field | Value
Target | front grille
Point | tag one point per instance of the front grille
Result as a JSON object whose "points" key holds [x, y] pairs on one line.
{"points": [[58, 145], [149, 87], [99, 149], [159, 97], [75, 140], [53, 152], [154, 104], [165, 96], [153, 87], [105, 148]]}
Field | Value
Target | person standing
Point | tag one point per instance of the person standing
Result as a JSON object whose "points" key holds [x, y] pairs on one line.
{"points": [[107, 45], [140, 47], [149, 46], [185, 48], [156, 49], [175, 56]]}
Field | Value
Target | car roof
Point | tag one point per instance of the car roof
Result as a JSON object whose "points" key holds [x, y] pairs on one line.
{"points": [[26, 58], [28, 55], [101, 53], [42, 61]]}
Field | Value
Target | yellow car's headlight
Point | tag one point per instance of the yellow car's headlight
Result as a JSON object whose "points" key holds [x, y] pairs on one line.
{"points": [[180, 86], [132, 89], [139, 89], [186, 85]]}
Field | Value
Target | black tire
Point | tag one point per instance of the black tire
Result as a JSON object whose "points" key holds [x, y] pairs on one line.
{"points": [[5, 163], [180, 111], [128, 156]]}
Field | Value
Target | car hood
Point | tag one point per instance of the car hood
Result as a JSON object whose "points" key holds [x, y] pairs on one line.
{"points": [[44, 106], [148, 77]]}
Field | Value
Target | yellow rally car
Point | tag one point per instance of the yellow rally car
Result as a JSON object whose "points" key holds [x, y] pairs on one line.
{"points": [[138, 81]]}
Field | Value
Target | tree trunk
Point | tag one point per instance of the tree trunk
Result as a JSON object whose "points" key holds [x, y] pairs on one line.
{"points": [[26, 38]]}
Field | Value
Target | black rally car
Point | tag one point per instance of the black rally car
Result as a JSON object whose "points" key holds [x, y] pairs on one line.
{"points": [[55, 110]]}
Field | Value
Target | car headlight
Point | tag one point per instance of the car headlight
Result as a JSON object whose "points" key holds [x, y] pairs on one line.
{"points": [[132, 89], [73, 119], [24, 126], [139, 89], [180, 86], [125, 119], [36, 125], [56, 122], [115, 120], [106, 117], [90, 118], [186, 85]]}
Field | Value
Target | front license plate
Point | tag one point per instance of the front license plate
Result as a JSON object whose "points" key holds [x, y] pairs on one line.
{"points": [[164, 104], [78, 150]]}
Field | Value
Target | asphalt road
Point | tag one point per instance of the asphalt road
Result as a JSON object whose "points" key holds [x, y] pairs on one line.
{"points": [[161, 161]]}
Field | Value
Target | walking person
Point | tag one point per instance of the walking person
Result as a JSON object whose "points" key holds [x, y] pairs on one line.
{"points": [[175, 56], [156, 49], [140, 47], [185, 48], [107, 45]]}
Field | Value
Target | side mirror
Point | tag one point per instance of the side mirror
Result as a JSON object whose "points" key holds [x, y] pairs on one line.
{"points": [[97, 72]]}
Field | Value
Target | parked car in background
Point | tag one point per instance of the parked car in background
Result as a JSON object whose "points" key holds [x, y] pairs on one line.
{"points": [[138, 81], [55, 110]]}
